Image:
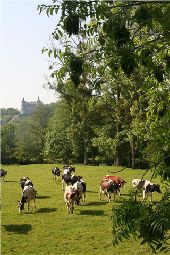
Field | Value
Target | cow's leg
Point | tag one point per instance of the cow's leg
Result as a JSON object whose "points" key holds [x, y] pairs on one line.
{"points": [[100, 192], [109, 196], [144, 196], [72, 206], [34, 204], [28, 206], [150, 194], [119, 192], [62, 183], [83, 196], [68, 207]]}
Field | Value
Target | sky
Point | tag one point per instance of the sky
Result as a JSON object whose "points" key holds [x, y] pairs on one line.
{"points": [[23, 68]]}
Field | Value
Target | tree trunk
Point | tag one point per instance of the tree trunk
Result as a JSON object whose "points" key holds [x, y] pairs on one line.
{"points": [[133, 154], [85, 156]]}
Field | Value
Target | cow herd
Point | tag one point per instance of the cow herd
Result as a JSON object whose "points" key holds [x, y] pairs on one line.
{"points": [[74, 188]]}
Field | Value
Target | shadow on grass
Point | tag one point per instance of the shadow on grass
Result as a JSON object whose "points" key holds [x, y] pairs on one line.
{"points": [[92, 212], [18, 228], [91, 191], [46, 210], [97, 203], [43, 197], [126, 195], [10, 181]]}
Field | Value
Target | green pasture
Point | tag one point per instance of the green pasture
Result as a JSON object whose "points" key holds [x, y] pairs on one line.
{"points": [[49, 230]]}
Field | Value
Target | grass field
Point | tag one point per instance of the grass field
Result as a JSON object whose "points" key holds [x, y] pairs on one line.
{"points": [[49, 230]]}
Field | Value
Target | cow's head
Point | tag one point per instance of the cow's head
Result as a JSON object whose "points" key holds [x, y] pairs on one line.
{"points": [[20, 206], [157, 188]]}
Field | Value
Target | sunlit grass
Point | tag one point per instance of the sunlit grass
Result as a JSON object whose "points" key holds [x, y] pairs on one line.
{"points": [[49, 230]]}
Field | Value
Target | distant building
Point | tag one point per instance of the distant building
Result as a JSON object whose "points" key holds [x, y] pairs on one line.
{"points": [[28, 107]]}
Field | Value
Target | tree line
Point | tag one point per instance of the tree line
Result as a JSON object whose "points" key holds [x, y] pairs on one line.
{"points": [[110, 65]]}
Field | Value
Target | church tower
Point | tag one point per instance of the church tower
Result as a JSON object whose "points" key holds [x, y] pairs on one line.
{"points": [[28, 107]]}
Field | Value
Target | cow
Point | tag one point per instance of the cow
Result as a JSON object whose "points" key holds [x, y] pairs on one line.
{"points": [[3, 173], [68, 177], [108, 187], [25, 181], [116, 179], [71, 195], [68, 169], [81, 186], [147, 187], [28, 195], [56, 173]]}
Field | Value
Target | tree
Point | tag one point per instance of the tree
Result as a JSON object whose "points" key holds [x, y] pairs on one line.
{"points": [[30, 135], [129, 39], [57, 144], [8, 144], [133, 45], [7, 115]]}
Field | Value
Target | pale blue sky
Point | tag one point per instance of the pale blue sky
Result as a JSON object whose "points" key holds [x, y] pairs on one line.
{"points": [[23, 67]]}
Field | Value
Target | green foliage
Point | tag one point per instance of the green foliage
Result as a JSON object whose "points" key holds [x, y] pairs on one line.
{"points": [[76, 68], [71, 24], [8, 144], [119, 49], [7, 115], [143, 16], [149, 224], [128, 62], [57, 144], [116, 30]]}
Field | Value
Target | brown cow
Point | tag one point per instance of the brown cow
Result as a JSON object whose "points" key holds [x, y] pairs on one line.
{"points": [[108, 187], [71, 195], [117, 180]]}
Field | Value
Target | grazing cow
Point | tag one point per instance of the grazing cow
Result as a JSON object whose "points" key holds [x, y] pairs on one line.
{"points": [[56, 173], [116, 179], [28, 195], [81, 186], [3, 173], [25, 181], [147, 187], [71, 195], [108, 187]]}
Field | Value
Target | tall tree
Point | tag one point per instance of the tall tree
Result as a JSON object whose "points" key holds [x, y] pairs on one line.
{"points": [[134, 44], [8, 144]]}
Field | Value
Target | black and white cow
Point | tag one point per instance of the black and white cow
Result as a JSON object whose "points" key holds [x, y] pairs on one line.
{"points": [[67, 177], [56, 173], [108, 187], [68, 169], [147, 187], [3, 173], [81, 186], [28, 195], [25, 181]]}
